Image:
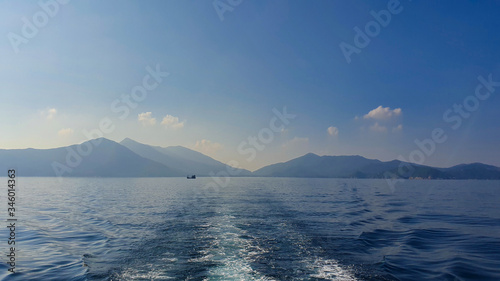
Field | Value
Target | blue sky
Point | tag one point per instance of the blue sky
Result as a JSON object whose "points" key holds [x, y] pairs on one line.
{"points": [[226, 76]]}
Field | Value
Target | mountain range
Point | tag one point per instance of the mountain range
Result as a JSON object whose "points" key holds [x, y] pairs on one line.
{"points": [[106, 158], [312, 165]]}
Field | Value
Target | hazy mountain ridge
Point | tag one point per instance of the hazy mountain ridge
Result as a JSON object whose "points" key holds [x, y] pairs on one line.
{"points": [[180, 158], [473, 171], [133, 159], [312, 165], [107, 159]]}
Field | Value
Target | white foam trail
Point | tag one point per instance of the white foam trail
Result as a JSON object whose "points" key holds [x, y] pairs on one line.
{"points": [[330, 270], [152, 274], [326, 269], [234, 254], [229, 250]]}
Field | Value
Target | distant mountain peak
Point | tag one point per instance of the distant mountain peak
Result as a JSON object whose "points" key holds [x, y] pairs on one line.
{"points": [[101, 139], [178, 157], [128, 140], [107, 158]]}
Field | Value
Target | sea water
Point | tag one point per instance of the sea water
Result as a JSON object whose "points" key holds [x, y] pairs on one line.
{"points": [[253, 229]]}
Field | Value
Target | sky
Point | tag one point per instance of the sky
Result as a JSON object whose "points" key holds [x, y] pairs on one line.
{"points": [[257, 82]]}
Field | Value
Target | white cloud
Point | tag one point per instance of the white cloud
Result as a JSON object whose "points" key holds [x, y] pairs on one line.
{"points": [[49, 113], [377, 128], [207, 146], [296, 143], [172, 122], [397, 128], [383, 113], [65, 132], [333, 131], [146, 119]]}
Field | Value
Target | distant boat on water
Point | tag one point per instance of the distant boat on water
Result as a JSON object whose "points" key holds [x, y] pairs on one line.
{"points": [[192, 177]]}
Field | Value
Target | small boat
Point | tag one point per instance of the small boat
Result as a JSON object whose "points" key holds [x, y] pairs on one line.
{"points": [[192, 177]]}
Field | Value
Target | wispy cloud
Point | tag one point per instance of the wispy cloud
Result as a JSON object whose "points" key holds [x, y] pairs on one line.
{"points": [[65, 132], [207, 147], [333, 131], [397, 128], [378, 128], [49, 113], [383, 113], [146, 119], [173, 122]]}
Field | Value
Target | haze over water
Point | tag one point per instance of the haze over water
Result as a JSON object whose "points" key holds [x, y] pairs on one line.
{"points": [[256, 229]]}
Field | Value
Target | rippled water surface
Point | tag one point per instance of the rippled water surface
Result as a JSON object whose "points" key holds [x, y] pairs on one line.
{"points": [[254, 229]]}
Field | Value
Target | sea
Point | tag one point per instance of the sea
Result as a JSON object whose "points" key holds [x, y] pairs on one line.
{"points": [[251, 229]]}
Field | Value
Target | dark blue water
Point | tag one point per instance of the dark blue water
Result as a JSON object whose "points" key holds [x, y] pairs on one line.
{"points": [[254, 229]]}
